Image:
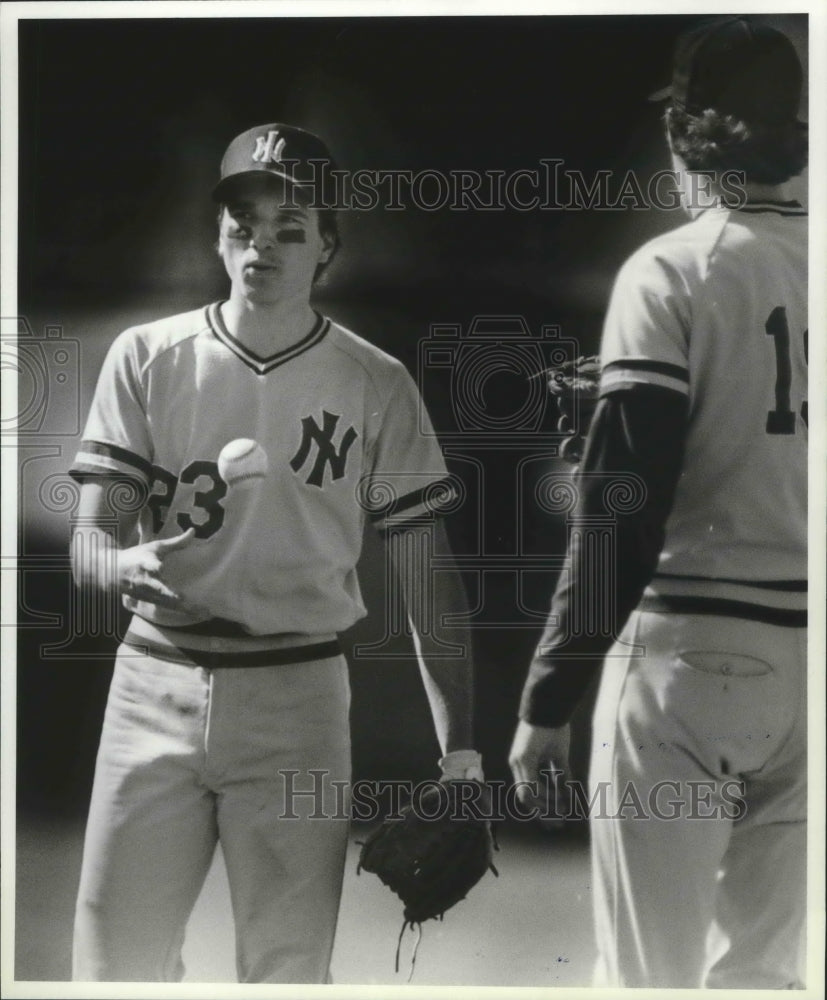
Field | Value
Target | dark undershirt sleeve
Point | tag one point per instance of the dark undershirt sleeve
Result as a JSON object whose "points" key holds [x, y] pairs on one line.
{"points": [[639, 431]]}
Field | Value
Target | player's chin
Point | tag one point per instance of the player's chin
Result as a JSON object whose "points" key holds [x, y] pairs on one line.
{"points": [[261, 290]]}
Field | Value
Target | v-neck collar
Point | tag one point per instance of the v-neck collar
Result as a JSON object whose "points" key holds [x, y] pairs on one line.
{"points": [[261, 366]]}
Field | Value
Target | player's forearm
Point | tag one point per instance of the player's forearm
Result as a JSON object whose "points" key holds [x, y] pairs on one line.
{"points": [[435, 599], [94, 558], [568, 656], [98, 537], [449, 686], [448, 679], [639, 433]]}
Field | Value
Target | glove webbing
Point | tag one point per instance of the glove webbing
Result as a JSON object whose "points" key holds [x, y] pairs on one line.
{"points": [[405, 925], [454, 852]]}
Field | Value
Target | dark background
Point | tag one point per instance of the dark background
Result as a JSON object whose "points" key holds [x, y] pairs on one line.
{"points": [[122, 127]]}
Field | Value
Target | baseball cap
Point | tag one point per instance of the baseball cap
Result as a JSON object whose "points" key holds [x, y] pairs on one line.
{"points": [[737, 67], [280, 150]]}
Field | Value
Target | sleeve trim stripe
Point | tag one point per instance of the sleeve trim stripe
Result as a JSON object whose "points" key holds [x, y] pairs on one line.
{"points": [[82, 471], [84, 462], [86, 466], [432, 498], [97, 450], [615, 380], [646, 365], [107, 454]]}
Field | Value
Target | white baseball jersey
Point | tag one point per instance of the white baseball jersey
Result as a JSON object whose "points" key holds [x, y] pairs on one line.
{"points": [[346, 436], [717, 309]]}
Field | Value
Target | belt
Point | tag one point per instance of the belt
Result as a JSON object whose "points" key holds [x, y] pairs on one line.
{"points": [[723, 607], [214, 659]]}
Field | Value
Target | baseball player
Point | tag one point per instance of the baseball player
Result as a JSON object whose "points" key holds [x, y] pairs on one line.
{"points": [[698, 779], [227, 717]]}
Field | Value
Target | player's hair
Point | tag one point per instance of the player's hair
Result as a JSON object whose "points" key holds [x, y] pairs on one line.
{"points": [[714, 142], [328, 229], [328, 225]]}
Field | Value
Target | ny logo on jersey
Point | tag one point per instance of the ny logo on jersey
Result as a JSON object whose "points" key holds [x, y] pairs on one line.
{"points": [[269, 150], [326, 453]]}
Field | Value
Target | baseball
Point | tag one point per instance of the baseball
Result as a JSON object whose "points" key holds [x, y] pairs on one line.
{"points": [[242, 462]]}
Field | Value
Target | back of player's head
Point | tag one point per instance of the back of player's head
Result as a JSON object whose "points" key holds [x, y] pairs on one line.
{"points": [[739, 68], [734, 100]]}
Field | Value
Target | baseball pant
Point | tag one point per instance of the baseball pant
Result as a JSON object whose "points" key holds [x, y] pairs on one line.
{"points": [[698, 805], [190, 756]]}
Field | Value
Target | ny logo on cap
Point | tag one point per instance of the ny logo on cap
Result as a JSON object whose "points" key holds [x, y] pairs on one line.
{"points": [[269, 150]]}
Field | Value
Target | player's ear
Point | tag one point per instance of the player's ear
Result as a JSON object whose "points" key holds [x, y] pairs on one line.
{"points": [[328, 246], [220, 221]]}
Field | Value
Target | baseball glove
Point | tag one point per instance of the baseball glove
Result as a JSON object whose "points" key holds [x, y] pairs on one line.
{"points": [[433, 855], [575, 385]]}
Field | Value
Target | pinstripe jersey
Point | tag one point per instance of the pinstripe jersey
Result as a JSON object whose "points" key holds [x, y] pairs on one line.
{"points": [[346, 436], [717, 310]]}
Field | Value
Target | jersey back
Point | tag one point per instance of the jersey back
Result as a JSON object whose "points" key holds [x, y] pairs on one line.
{"points": [[717, 310]]}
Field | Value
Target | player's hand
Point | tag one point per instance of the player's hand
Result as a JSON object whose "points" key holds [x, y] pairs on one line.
{"points": [[140, 568], [537, 748]]}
